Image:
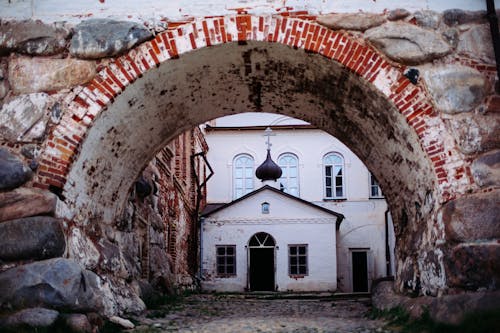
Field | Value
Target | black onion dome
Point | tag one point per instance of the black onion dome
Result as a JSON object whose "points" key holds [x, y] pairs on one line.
{"points": [[268, 170]]}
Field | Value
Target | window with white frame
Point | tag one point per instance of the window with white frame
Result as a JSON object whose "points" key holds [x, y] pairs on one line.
{"points": [[334, 176], [226, 260], [289, 181], [242, 175], [297, 260], [375, 191]]}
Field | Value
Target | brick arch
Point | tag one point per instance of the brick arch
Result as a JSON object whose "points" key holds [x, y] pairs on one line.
{"points": [[299, 32], [449, 175]]}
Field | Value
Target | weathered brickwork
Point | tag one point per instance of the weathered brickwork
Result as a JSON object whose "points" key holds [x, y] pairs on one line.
{"points": [[298, 30]]}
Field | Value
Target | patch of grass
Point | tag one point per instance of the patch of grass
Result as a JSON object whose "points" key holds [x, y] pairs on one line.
{"points": [[482, 322]]}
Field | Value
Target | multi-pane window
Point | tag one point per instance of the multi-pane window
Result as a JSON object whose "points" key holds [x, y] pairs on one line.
{"points": [[375, 191], [297, 259], [242, 175], [334, 176], [289, 181], [226, 260]]}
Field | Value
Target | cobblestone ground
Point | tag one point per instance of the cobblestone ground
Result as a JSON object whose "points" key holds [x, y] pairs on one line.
{"points": [[238, 313]]}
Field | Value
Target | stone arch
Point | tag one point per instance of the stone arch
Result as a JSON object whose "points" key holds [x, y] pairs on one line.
{"points": [[340, 84]]}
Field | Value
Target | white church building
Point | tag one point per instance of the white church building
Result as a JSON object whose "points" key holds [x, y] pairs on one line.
{"points": [[290, 208]]}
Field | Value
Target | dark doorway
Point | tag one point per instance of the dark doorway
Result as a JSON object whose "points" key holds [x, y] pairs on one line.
{"points": [[359, 271], [262, 269], [261, 259]]}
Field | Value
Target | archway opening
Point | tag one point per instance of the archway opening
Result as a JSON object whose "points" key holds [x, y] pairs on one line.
{"points": [[261, 255], [261, 77]]}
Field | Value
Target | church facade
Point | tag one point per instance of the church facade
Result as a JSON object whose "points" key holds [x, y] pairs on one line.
{"points": [[290, 208]]}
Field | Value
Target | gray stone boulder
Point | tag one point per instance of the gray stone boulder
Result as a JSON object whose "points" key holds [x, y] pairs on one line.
{"points": [[38, 237], [32, 318], [32, 37], [472, 217], [24, 118], [29, 75], [452, 309], [455, 88], [486, 169], [397, 14], [59, 284], [25, 202], [476, 43], [348, 21], [475, 133], [99, 38], [427, 19], [473, 266], [77, 323], [13, 172], [448, 309], [407, 43], [454, 17]]}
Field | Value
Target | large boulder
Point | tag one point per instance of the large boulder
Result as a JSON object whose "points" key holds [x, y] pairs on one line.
{"points": [[473, 266], [455, 88], [472, 217], [475, 133], [28, 75], [59, 284], [38, 237], [348, 21], [32, 319], [453, 17], [407, 43], [24, 118], [25, 202], [99, 38], [13, 172], [476, 43], [486, 169], [32, 37]]}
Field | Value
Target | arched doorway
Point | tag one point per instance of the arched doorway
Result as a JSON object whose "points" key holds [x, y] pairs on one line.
{"points": [[261, 263]]}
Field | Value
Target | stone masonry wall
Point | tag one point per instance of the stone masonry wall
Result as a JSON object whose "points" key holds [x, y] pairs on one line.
{"points": [[437, 69]]}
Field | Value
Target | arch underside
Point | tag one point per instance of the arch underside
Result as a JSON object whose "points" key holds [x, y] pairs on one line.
{"points": [[234, 78]]}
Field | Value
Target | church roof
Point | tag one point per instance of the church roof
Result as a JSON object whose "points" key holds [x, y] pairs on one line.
{"points": [[210, 209]]}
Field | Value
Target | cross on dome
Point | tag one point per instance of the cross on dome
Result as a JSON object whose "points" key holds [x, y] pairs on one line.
{"points": [[269, 132]]}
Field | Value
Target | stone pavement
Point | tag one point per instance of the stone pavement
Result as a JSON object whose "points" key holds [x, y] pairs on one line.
{"points": [[243, 313]]}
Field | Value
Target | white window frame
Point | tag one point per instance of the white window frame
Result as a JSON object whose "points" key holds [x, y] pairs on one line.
{"points": [[286, 181], [373, 183], [333, 177], [298, 256], [244, 178]]}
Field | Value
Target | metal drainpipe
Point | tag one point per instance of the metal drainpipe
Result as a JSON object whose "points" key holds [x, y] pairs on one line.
{"points": [[200, 265], [495, 36], [387, 247]]}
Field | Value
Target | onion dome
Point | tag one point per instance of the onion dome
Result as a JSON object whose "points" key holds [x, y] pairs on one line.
{"points": [[268, 170]]}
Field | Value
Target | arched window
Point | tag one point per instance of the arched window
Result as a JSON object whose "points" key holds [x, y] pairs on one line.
{"points": [[242, 175], [333, 164], [289, 181]]}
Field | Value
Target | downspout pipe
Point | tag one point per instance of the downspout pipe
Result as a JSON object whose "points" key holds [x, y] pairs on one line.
{"points": [[491, 14], [388, 271]]}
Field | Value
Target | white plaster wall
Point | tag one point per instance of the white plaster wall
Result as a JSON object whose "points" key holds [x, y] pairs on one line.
{"points": [[289, 222], [308, 144], [156, 11], [364, 224]]}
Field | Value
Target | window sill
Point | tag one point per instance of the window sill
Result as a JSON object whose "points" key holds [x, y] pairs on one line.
{"points": [[298, 276], [377, 198], [335, 199], [226, 276]]}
